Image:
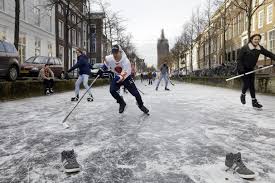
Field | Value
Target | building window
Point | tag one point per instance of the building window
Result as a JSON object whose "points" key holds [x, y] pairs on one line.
{"points": [[61, 53], [36, 12], [269, 14], [261, 19], [253, 23], [22, 48], [271, 41], [50, 49], [93, 34], [74, 37], [37, 47], [60, 9], [50, 26], [23, 10], [263, 39], [3, 35], [69, 35], [73, 19], [61, 29], [84, 35], [2, 5], [79, 39], [79, 23]]}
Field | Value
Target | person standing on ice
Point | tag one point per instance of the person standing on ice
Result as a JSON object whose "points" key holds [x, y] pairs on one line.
{"points": [[164, 74], [247, 60], [121, 66], [84, 72]]}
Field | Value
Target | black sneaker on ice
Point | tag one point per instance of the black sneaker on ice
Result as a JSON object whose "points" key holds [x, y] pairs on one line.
{"points": [[243, 99], [47, 92], [122, 105], [234, 162], [156, 88], [256, 104], [144, 109], [75, 98], [167, 89], [90, 98], [68, 159]]}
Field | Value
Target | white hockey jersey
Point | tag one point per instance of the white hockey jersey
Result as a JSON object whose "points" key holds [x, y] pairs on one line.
{"points": [[122, 67]]}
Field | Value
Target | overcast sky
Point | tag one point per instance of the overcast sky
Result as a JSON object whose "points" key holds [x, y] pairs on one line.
{"points": [[146, 18]]}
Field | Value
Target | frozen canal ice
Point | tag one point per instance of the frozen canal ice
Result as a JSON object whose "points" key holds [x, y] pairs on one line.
{"points": [[185, 138]]}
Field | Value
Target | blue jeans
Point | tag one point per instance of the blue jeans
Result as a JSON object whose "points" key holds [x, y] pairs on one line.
{"points": [[165, 77], [129, 84], [82, 78]]}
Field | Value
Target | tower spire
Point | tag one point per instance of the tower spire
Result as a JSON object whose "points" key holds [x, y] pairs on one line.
{"points": [[162, 34]]}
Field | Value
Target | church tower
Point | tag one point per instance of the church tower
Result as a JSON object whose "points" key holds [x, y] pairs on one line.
{"points": [[163, 48]]}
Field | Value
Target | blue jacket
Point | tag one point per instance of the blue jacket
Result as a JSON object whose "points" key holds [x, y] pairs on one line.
{"points": [[83, 65]]}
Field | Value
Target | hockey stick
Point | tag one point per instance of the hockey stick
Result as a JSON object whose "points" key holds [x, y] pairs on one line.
{"points": [[171, 82], [241, 75], [64, 121], [140, 91]]}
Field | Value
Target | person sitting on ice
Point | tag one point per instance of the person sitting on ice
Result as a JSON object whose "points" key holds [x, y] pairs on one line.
{"points": [[247, 60], [84, 72], [47, 75], [121, 66]]}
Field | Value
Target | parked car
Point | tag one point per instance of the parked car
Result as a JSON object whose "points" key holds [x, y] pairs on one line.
{"points": [[9, 66], [96, 67], [33, 65]]}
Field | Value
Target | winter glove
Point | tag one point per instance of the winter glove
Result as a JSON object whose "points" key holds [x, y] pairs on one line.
{"points": [[100, 72], [118, 78]]}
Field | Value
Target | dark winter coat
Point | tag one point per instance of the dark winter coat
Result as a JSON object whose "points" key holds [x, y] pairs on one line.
{"points": [[83, 65], [249, 55]]}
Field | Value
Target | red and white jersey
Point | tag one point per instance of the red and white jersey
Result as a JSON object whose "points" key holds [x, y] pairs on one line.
{"points": [[122, 67]]}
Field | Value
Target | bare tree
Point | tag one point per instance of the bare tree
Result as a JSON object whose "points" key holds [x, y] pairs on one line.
{"points": [[209, 9], [249, 7], [68, 7], [225, 15]]}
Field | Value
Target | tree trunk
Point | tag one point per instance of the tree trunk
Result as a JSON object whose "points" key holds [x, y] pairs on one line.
{"points": [[66, 38], [249, 19], [17, 23]]}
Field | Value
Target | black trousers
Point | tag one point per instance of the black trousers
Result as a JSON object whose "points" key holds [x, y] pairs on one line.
{"points": [[150, 81], [129, 84], [249, 83], [48, 83]]}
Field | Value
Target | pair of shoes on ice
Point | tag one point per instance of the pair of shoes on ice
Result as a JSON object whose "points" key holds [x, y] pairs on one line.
{"points": [[167, 89], [89, 99], [122, 106], [255, 103], [49, 91], [234, 162], [68, 159]]}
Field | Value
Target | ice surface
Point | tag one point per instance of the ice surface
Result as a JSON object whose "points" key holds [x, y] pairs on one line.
{"points": [[185, 138]]}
